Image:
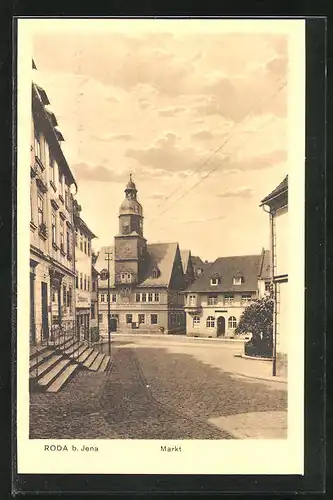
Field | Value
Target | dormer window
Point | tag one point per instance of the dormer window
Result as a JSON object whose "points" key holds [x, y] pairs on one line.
{"points": [[155, 273], [126, 277], [238, 280], [215, 280]]}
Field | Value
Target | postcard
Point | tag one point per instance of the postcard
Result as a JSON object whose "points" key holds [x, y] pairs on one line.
{"points": [[160, 299]]}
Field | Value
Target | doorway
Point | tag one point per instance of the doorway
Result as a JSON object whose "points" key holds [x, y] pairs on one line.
{"points": [[32, 309], [220, 326], [45, 323]]}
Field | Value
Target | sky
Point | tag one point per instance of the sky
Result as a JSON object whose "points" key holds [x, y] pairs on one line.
{"points": [[195, 111]]}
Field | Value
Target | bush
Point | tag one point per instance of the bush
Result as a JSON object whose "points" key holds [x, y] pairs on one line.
{"points": [[257, 319]]}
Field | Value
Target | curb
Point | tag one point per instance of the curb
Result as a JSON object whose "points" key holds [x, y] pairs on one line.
{"points": [[255, 358], [266, 379]]}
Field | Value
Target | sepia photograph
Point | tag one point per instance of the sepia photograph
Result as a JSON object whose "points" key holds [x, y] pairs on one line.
{"points": [[161, 217]]}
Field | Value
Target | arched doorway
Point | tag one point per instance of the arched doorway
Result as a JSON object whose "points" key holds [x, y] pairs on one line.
{"points": [[220, 326]]}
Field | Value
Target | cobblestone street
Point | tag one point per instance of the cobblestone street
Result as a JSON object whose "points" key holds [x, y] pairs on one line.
{"points": [[152, 393]]}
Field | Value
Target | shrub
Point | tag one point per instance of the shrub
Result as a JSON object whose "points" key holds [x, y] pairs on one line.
{"points": [[257, 318]]}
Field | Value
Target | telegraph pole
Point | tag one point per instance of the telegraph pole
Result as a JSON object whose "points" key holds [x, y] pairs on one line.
{"points": [[108, 258]]}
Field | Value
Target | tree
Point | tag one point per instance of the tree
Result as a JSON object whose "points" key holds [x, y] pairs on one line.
{"points": [[257, 318]]}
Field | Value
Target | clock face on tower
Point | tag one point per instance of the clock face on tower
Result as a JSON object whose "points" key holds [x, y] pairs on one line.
{"points": [[125, 249]]}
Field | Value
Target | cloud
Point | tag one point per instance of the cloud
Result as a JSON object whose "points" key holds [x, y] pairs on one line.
{"points": [[156, 196], [172, 111], [114, 137], [167, 153], [203, 135], [99, 173], [242, 192], [203, 220]]}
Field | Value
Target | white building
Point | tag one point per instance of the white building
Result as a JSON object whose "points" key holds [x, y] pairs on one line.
{"points": [[52, 274], [277, 207]]}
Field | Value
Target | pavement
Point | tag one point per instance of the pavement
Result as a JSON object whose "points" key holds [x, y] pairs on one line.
{"points": [[166, 389]]}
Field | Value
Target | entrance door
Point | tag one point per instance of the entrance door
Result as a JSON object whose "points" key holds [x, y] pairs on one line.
{"points": [[113, 323], [220, 326], [45, 323]]}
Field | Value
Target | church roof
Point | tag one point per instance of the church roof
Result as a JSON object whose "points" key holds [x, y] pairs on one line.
{"points": [[162, 257], [227, 268], [185, 256]]}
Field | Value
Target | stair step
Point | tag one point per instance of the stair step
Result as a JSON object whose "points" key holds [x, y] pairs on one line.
{"points": [[97, 363], [38, 359], [85, 355], [73, 348], [37, 351], [62, 378], [49, 377], [104, 363], [91, 358], [46, 366], [64, 344]]}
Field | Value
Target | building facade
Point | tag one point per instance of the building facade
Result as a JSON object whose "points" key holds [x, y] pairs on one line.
{"points": [[52, 265], [83, 273], [276, 204], [216, 299], [139, 283]]}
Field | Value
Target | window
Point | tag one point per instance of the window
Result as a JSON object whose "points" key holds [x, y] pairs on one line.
{"points": [[64, 293], [40, 203], [210, 323], [137, 297], [196, 322], [53, 297], [267, 286], [62, 235], [126, 278], [229, 298], [85, 246], [62, 185], [68, 238], [89, 248], [212, 300], [155, 273], [199, 271], [156, 297], [81, 242], [141, 319], [54, 228], [76, 238], [144, 297], [129, 318], [77, 281], [113, 297], [246, 298], [232, 322], [215, 281], [100, 318], [102, 297], [37, 145], [153, 319], [85, 282], [67, 198], [192, 300], [93, 285], [238, 280], [52, 169], [150, 297], [80, 281]]}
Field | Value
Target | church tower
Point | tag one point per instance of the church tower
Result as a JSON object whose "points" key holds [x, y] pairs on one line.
{"points": [[130, 245]]}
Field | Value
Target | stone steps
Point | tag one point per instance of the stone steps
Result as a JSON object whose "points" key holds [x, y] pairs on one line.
{"points": [[51, 367], [63, 378], [43, 368]]}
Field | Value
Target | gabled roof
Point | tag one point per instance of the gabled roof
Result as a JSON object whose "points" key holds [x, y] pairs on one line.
{"points": [[162, 256], [248, 266], [185, 256], [278, 191]]}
